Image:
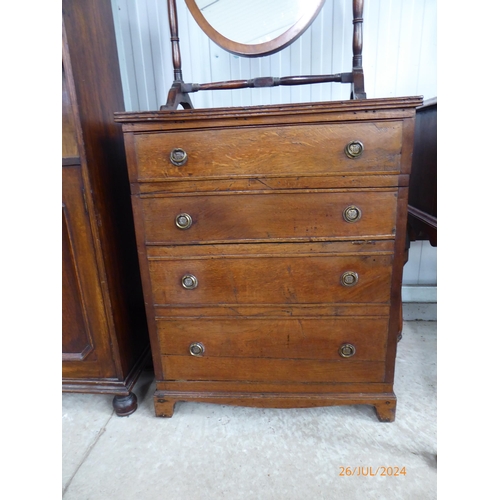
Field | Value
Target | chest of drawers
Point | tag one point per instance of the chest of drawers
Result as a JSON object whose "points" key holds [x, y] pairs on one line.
{"points": [[272, 241]]}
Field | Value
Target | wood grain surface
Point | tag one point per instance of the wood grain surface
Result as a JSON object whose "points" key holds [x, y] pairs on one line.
{"points": [[250, 151], [271, 279], [233, 216], [300, 338]]}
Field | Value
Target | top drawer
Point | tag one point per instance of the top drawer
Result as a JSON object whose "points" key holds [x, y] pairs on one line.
{"points": [[295, 150]]}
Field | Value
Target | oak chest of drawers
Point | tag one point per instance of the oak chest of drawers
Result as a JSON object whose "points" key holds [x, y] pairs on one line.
{"points": [[272, 243]]}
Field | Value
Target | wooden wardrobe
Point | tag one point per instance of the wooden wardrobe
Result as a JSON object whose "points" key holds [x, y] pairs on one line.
{"points": [[104, 335]]}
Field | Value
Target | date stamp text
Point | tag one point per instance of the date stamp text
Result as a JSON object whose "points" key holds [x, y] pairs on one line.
{"points": [[372, 471]]}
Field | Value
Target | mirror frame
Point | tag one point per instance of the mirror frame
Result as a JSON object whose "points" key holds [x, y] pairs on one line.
{"points": [[259, 49]]}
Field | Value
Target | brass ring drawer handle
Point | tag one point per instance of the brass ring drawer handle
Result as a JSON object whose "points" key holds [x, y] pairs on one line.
{"points": [[189, 281], [354, 149], [183, 221], [347, 350], [352, 213], [349, 278], [197, 349], [178, 157]]}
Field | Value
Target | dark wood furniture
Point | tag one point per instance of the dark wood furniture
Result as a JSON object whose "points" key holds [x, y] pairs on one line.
{"points": [[104, 335], [271, 242], [422, 198]]}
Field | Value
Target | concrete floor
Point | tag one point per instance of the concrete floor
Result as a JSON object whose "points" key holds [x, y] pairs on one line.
{"points": [[211, 451]]}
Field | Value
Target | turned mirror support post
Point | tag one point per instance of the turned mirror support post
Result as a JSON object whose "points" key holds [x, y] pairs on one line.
{"points": [[358, 81], [177, 94]]}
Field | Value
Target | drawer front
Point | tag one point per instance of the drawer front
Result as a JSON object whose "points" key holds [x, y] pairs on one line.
{"points": [[273, 150], [271, 279], [271, 370], [297, 338], [216, 218]]}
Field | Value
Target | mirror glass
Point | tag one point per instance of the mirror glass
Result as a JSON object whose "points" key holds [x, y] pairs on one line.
{"points": [[254, 27]]}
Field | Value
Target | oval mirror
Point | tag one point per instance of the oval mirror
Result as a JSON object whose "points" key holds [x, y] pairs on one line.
{"points": [[254, 27]]}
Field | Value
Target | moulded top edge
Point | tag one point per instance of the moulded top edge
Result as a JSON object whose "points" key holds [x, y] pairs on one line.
{"points": [[270, 110]]}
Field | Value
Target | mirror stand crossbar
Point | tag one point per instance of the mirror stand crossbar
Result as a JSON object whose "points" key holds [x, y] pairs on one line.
{"points": [[178, 94]]}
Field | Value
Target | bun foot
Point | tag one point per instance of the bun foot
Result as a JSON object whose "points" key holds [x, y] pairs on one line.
{"points": [[125, 405]]}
